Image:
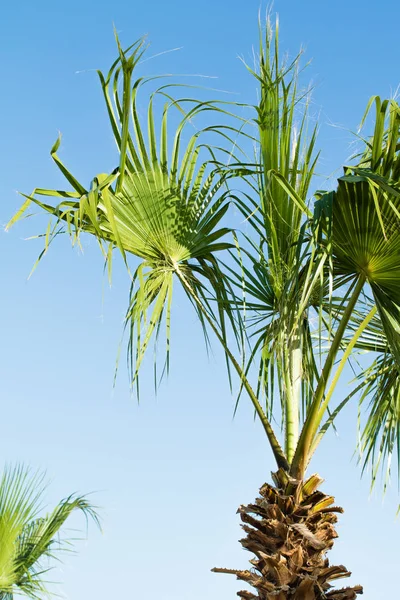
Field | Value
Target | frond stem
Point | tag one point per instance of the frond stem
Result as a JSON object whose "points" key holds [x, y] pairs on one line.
{"points": [[313, 420], [293, 370], [338, 372]]}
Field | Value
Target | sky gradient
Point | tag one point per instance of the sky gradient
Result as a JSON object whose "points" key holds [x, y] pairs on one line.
{"points": [[169, 473]]}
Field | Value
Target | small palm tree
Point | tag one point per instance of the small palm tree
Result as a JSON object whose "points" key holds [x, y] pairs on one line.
{"points": [[303, 288], [28, 541]]}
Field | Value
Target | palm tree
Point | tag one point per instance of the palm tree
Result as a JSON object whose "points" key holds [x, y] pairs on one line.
{"points": [[29, 541], [303, 289]]}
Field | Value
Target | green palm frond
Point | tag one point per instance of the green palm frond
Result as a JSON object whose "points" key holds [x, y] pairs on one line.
{"points": [[27, 541], [366, 241], [378, 388], [366, 215], [271, 325], [380, 434], [287, 150], [284, 149], [275, 207], [20, 496], [164, 205]]}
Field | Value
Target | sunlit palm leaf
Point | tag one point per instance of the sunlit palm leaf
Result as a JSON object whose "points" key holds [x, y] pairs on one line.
{"points": [[366, 216], [163, 205], [26, 540], [284, 148]]}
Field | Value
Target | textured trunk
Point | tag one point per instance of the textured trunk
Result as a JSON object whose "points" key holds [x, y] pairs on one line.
{"points": [[290, 528]]}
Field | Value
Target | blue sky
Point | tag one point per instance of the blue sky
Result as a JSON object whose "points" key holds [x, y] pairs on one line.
{"points": [[169, 473]]}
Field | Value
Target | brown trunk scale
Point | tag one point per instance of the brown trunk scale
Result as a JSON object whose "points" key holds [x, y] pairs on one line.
{"points": [[290, 528]]}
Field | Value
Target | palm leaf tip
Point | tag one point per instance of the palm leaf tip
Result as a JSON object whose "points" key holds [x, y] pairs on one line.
{"points": [[379, 400]]}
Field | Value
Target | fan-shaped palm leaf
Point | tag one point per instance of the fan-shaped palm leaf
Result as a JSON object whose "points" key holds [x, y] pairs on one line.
{"points": [[163, 207], [366, 217]]}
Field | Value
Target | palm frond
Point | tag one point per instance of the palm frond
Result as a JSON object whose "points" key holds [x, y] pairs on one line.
{"points": [[380, 403], [275, 207], [20, 496], [284, 149], [163, 205], [366, 216], [378, 388], [27, 540]]}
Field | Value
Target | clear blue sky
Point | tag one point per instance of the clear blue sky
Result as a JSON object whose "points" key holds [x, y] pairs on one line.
{"points": [[170, 473]]}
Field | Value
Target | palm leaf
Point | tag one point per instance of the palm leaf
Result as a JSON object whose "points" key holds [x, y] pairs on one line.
{"points": [[275, 207], [164, 207], [28, 541], [378, 388]]}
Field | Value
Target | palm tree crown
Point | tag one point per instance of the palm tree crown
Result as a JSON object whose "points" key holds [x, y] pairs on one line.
{"points": [[307, 284], [333, 262]]}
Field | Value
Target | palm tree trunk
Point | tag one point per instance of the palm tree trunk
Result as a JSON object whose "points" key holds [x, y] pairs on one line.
{"points": [[290, 534]]}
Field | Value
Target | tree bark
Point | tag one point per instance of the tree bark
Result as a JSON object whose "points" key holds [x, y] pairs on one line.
{"points": [[290, 533]]}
